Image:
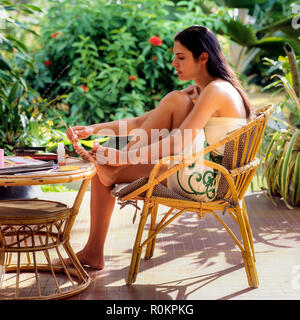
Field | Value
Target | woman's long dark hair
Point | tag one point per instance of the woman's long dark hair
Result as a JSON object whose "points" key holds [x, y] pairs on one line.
{"points": [[200, 39]]}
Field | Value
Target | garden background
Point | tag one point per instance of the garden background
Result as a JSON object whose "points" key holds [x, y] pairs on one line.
{"points": [[65, 63]]}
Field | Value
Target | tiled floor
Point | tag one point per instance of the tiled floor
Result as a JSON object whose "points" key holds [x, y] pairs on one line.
{"points": [[196, 259]]}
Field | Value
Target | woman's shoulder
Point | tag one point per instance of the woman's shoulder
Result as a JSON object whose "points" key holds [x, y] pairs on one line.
{"points": [[219, 85], [216, 91], [227, 99], [223, 90]]}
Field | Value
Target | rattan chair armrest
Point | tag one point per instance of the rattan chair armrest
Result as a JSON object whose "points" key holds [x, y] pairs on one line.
{"points": [[249, 166]]}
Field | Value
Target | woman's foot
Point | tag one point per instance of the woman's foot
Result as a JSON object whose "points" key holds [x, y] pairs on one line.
{"points": [[85, 259]]}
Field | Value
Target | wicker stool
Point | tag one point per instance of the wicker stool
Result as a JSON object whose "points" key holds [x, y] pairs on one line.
{"points": [[32, 234]]}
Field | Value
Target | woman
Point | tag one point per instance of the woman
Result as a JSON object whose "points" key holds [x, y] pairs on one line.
{"points": [[216, 99]]}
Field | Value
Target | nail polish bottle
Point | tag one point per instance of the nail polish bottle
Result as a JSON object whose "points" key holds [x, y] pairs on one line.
{"points": [[61, 154]]}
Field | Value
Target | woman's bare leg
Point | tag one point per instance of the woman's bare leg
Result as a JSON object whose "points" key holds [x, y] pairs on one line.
{"points": [[101, 208], [169, 114]]}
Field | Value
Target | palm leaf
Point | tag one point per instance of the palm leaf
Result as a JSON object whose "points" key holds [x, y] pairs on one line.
{"points": [[285, 170], [241, 33], [289, 89], [18, 44], [284, 26], [275, 44], [296, 181], [277, 174], [4, 65], [273, 165], [270, 147], [32, 8], [15, 93]]}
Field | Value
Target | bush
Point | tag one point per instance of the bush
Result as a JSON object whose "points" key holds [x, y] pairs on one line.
{"points": [[100, 55], [21, 122]]}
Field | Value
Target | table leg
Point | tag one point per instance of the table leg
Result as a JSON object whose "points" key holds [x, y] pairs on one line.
{"points": [[76, 206]]}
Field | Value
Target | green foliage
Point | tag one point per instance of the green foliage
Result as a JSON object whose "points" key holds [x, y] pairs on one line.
{"points": [[21, 117], [259, 28], [289, 109], [57, 188], [282, 153], [15, 94], [282, 165], [99, 55]]}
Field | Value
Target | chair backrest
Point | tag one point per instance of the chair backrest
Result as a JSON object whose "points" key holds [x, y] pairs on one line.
{"points": [[241, 150]]}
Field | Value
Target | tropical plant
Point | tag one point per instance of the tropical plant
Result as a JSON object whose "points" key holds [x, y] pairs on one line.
{"points": [[111, 58], [22, 121], [98, 54], [256, 28], [282, 156], [15, 95]]}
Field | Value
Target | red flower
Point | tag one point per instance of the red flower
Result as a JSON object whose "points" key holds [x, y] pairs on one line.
{"points": [[154, 58], [132, 78], [48, 63], [85, 88], [55, 34], [155, 40]]}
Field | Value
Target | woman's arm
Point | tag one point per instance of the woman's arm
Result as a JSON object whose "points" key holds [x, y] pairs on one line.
{"points": [[119, 127], [112, 128], [205, 106]]}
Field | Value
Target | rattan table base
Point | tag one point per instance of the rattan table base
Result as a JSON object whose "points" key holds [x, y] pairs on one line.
{"points": [[34, 233]]}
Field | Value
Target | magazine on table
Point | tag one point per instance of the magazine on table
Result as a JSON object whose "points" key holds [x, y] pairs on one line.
{"points": [[19, 164]]}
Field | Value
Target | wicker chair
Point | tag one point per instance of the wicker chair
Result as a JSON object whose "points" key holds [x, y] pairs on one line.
{"points": [[237, 169]]}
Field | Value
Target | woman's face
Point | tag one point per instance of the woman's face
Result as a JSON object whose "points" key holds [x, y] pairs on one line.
{"points": [[184, 63]]}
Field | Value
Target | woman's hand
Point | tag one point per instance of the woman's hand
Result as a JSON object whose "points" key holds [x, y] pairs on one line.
{"points": [[79, 132], [193, 92]]}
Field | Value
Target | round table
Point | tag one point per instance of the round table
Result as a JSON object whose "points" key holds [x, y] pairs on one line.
{"points": [[34, 233]]}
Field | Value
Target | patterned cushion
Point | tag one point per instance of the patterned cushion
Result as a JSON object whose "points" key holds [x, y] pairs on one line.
{"points": [[159, 190]]}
